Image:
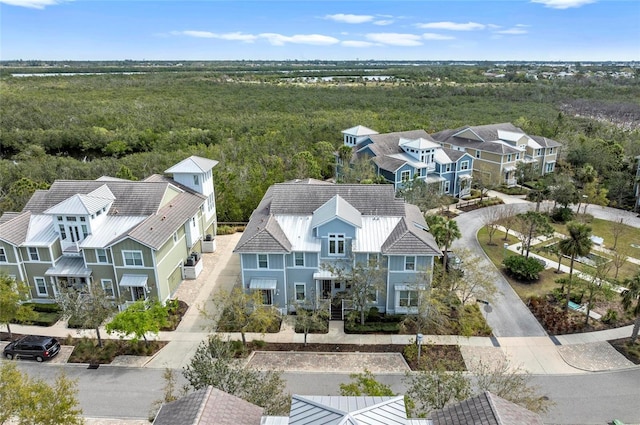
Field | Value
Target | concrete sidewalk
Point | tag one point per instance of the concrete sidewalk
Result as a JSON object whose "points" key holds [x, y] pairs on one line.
{"points": [[564, 354]]}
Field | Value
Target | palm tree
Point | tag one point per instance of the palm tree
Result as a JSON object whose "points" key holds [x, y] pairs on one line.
{"points": [[445, 232], [578, 244], [631, 298]]}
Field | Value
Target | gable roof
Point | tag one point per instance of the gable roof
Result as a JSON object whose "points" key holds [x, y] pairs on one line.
{"points": [[545, 142], [328, 410], [336, 207], [486, 409], [388, 143], [14, 228], [209, 406], [193, 164]]}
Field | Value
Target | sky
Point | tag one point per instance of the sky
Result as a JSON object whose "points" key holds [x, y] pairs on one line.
{"points": [[461, 30]]}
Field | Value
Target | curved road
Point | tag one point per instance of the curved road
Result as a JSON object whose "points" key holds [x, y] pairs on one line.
{"points": [[509, 317]]}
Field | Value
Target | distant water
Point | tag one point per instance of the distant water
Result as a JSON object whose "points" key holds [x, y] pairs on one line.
{"points": [[72, 74]]}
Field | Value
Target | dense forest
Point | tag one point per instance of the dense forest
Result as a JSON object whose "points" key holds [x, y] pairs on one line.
{"points": [[266, 128]]}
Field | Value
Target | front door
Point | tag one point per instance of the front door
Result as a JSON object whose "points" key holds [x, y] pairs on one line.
{"points": [[138, 293], [326, 289]]}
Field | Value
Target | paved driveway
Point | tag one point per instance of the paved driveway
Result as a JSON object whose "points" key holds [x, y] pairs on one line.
{"points": [[509, 317]]}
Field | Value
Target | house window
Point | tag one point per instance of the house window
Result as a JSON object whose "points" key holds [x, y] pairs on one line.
{"points": [[299, 259], [3, 255], [550, 151], [107, 287], [175, 237], [41, 286], [33, 254], [267, 296], [63, 232], [101, 255], [138, 293], [71, 219], [517, 156], [405, 175], [336, 244], [83, 219], [550, 166], [509, 158], [210, 202], [263, 261], [447, 186], [410, 262], [408, 299], [464, 165], [196, 180], [59, 218], [85, 231], [373, 296], [300, 291], [477, 153], [447, 168], [132, 258]]}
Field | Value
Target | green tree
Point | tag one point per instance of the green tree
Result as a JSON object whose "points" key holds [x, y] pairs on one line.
{"points": [[12, 297], [87, 306], [596, 286], [311, 317], [444, 231], [367, 279], [125, 173], [140, 318], [433, 389], [578, 244], [631, 302], [304, 165], [214, 364], [19, 192], [365, 384], [242, 312], [513, 384], [530, 226], [25, 400]]}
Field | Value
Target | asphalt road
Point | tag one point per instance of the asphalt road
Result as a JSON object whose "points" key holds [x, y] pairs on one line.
{"points": [[128, 393], [509, 317]]}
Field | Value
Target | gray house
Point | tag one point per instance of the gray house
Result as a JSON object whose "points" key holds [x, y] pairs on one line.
{"points": [[134, 238], [301, 227]]}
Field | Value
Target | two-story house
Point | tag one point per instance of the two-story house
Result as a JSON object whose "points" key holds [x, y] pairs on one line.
{"points": [[300, 227], [498, 148], [404, 156], [134, 238]]}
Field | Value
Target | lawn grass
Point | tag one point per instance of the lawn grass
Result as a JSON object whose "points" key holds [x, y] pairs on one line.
{"points": [[496, 253]]}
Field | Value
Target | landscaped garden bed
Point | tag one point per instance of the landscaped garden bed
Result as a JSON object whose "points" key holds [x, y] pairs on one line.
{"points": [[628, 349]]}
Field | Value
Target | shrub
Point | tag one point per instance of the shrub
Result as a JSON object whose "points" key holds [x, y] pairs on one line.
{"points": [[561, 215], [523, 268], [610, 317]]}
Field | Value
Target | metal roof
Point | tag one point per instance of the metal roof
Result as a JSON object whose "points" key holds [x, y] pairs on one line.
{"points": [[260, 283], [419, 143], [298, 231], [193, 164], [112, 228], [359, 130], [40, 232], [69, 266], [136, 280], [328, 410], [79, 205], [373, 233], [336, 207]]}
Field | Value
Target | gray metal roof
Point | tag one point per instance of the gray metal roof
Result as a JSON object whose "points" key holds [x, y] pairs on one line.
{"points": [[209, 406], [485, 409], [193, 164], [359, 130], [545, 142], [336, 207], [328, 410], [388, 143]]}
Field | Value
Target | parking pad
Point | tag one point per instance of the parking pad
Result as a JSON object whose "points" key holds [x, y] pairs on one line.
{"points": [[291, 361]]}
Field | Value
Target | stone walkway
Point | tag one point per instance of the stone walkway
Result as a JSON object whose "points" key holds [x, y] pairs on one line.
{"points": [[328, 362]]}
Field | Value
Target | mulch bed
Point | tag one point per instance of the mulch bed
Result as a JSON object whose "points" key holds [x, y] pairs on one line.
{"points": [[624, 347]]}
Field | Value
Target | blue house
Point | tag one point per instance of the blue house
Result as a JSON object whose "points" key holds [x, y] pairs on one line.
{"points": [[404, 156], [301, 227]]}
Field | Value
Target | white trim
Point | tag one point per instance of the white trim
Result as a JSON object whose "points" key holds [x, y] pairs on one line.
{"points": [[295, 259], [304, 290], [124, 258], [406, 257], [266, 256], [3, 255], [46, 291], [106, 256], [108, 283], [37, 254]]}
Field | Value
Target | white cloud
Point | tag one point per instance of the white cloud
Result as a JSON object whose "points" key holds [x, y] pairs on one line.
{"points": [[233, 36], [453, 26], [32, 4], [395, 39], [314, 39], [563, 4], [513, 31], [356, 43], [383, 22], [350, 19], [433, 36]]}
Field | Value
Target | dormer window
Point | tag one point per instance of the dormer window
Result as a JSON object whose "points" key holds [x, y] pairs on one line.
{"points": [[336, 244], [196, 180], [59, 218], [71, 218]]}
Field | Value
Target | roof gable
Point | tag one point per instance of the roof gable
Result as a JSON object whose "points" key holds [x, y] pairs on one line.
{"points": [[336, 207], [469, 134], [312, 410], [359, 131]]}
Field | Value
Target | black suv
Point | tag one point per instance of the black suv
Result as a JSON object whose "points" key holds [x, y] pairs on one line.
{"points": [[36, 347]]}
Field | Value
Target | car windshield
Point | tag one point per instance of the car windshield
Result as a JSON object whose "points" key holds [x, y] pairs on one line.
{"points": [[50, 344]]}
